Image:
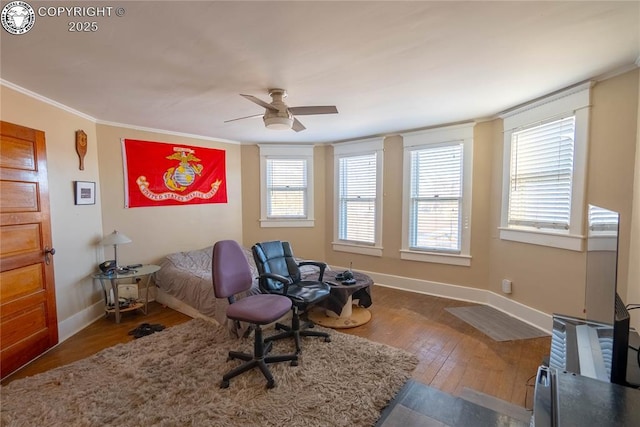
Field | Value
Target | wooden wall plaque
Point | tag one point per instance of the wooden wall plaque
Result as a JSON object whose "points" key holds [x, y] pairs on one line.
{"points": [[81, 146]]}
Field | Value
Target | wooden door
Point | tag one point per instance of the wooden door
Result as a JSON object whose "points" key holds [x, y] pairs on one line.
{"points": [[28, 320]]}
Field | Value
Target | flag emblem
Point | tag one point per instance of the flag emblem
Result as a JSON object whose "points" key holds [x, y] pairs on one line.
{"points": [[167, 174]]}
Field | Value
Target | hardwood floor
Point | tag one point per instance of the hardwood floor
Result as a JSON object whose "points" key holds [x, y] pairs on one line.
{"points": [[453, 355], [101, 334]]}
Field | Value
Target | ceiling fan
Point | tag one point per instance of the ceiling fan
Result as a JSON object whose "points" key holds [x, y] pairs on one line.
{"points": [[278, 115]]}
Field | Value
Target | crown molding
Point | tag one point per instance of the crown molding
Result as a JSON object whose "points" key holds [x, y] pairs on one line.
{"points": [[46, 100], [167, 132], [618, 71], [75, 112], [552, 97], [569, 89]]}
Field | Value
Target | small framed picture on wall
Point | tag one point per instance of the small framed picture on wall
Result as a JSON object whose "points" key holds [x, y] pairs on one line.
{"points": [[85, 192]]}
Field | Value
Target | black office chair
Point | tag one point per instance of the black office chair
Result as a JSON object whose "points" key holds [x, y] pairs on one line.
{"points": [[232, 276], [280, 274]]}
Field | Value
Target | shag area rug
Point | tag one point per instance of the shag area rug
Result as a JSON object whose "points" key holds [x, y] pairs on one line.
{"points": [[172, 378]]}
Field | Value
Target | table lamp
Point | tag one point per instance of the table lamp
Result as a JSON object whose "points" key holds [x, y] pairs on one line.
{"points": [[116, 238]]}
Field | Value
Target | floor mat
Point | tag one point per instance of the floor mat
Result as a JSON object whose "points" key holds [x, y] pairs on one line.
{"points": [[418, 405], [496, 324], [514, 411]]}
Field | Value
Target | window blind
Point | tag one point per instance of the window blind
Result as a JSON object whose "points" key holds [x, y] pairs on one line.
{"points": [[541, 175], [436, 198], [286, 188], [357, 197]]}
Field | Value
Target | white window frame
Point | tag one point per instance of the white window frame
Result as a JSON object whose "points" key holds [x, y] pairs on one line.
{"points": [[355, 148], [418, 140], [292, 152], [576, 101]]}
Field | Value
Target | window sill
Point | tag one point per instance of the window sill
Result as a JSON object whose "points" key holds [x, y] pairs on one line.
{"points": [[571, 242], [357, 249], [434, 257], [273, 223]]}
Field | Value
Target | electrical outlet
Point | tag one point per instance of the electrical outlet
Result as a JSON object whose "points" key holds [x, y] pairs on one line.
{"points": [[506, 286]]}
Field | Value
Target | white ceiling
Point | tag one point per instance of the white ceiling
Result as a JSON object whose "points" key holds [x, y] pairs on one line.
{"points": [[387, 66]]}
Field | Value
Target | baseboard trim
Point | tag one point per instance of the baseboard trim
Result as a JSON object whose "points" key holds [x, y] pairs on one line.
{"points": [[529, 315], [75, 323], [532, 316]]}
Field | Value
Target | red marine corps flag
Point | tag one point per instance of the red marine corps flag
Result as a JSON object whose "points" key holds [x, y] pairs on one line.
{"points": [[160, 174]]}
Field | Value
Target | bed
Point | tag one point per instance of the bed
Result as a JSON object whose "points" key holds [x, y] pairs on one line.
{"points": [[184, 283]]}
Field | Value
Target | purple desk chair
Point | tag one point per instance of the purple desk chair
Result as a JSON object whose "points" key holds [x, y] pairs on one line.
{"points": [[232, 276]]}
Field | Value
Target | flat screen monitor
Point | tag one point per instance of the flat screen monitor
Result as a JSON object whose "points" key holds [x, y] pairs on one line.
{"points": [[602, 302]]}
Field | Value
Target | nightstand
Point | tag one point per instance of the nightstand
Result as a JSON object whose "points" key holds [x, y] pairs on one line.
{"points": [[110, 282]]}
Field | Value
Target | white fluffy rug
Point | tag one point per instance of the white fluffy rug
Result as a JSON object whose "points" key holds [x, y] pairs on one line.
{"points": [[172, 378]]}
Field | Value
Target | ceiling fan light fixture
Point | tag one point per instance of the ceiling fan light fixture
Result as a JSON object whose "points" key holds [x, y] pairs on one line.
{"points": [[278, 115], [278, 123]]}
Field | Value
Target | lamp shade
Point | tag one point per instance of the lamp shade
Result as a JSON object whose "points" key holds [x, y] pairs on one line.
{"points": [[115, 238]]}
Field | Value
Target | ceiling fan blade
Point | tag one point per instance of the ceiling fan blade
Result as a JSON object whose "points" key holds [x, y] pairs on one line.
{"points": [[306, 111], [242, 118], [297, 126], [260, 102]]}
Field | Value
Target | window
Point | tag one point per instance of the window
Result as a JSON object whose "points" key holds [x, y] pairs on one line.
{"points": [[358, 169], [437, 196], [541, 175], [286, 186], [545, 145], [357, 194]]}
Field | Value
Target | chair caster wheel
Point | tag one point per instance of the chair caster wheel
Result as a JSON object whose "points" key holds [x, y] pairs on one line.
{"points": [[229, 358], [271, 384], [327, 339], [224, 384], [294, 363]]}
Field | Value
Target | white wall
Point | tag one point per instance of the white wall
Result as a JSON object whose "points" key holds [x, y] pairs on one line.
{"points": [[160, 230], [74, 228], [77, 230]]}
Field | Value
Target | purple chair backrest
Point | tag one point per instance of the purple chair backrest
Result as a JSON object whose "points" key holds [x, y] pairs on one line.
{"points": [[230, 270]]}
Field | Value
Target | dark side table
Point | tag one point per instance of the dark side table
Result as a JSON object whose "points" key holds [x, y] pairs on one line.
{"points": [[338, 310]]}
